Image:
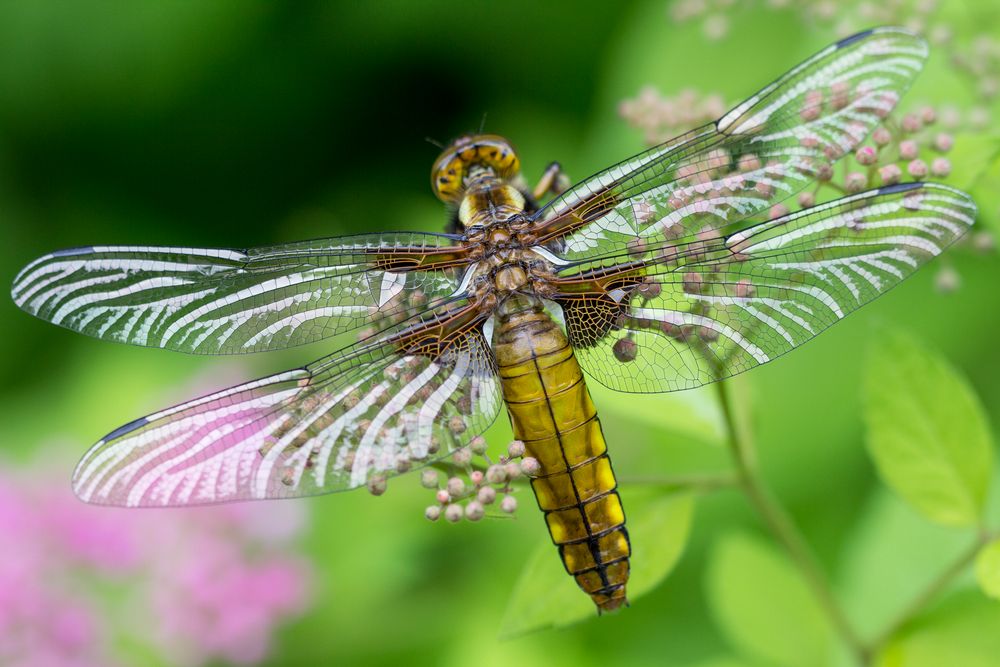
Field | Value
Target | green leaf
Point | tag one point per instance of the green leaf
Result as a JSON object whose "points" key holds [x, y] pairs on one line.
{"points": [[890, 556], [972, 155], [763, 606], [546, 597], [988, 569], [963, 632], [927, 431]]}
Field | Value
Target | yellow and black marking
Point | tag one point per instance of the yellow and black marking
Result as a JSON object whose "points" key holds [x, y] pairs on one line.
{"points": [[552, 413], [453, 166]]}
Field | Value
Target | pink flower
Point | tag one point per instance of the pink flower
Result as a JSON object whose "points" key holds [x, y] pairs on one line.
{"points": [[201, 584]]}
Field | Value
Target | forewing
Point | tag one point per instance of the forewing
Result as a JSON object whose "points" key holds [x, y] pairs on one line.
{"points": [[379, 408], [760, 153], [679, 317], [213, 301]]}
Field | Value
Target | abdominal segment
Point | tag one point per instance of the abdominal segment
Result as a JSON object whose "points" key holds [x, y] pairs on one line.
{"points": [[552, 413]]}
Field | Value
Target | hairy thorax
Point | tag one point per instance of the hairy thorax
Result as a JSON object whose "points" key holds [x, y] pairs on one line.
{"points": [[493, 213]]}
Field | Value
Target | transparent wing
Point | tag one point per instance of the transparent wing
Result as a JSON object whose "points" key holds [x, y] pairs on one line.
{"points": [[211, 301], [677, 317], [760, 153], [380, 407]]}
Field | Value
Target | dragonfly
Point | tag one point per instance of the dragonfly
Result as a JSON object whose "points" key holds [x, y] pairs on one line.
{"points": [[660, 273]]}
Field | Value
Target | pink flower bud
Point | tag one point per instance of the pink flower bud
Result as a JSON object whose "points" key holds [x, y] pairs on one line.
{"points": [[486, 495], [866, 155], [456, 487], [943, 142], [477, 477], [443, 496], [744, 288], [911, 123], [917, 169], [530, 466], [512, 470], [461, 456], [856, 182], [478, 445], [882, 136], [433, 512], [777, 211], [941, 167], [508, 504], [807, 199], [429, 479], [377, 485], [908, 150], [890, 174], [496, 474], [947, 280], [625, 350], [453, 513], [474, 511], [928, 115]]}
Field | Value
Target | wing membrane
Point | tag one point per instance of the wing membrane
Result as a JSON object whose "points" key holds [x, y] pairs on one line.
{"points": [[760, 153], [677, 317], [211, 301], [379, 408]]}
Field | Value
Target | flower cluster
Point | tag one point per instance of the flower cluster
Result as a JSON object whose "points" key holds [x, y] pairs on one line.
{"points": [[470, 492], [194, 587], [662, 118]]}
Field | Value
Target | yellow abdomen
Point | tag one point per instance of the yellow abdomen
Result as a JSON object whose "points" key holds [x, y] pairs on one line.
{"points": [[552, 413]]}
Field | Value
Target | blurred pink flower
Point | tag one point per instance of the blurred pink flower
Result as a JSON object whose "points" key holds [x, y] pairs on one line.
{"points": [[200, 584]]}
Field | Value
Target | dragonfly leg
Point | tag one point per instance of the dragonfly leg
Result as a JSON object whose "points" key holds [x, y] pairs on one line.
{"points": [[553, 181]]}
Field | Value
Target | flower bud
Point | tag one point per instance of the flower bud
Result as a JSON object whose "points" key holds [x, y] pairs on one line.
{"points": [[777, 211], [495, 474], [508, 504], [941, 167], [911, 123], [625, 349], [443, 496], [474, 511], [866, 155], [478, 445], [486, 495], [807, 199], [928, 115], [432, 513], [530, 466], [476, 476], [454, 513], [882, 136], [890, 174], [943, 142], [856, 181], [461, 456], [908, 150], [515, 449], [917, 169], [947, 280], [512, 470], [456, 487], [377, 485], [429, 479]]}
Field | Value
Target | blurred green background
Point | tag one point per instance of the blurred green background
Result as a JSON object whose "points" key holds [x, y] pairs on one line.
{"points": [[242, 123]]}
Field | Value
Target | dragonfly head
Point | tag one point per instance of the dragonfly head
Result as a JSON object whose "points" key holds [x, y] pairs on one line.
{"points": [[468, 154]]}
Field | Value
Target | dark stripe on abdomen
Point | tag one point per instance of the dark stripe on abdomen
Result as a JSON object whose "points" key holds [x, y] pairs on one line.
{"points": [[552, 413]]}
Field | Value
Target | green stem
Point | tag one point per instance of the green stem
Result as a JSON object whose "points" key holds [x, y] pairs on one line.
{"points": [[783, 528], [937, 586]]}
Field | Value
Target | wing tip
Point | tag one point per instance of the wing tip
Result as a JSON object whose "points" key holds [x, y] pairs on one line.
{"points": [[897, 31], [124, 430]]}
